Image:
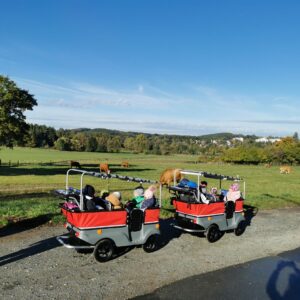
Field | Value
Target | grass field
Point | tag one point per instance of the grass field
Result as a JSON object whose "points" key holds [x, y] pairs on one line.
{"points": [[27, 181]]}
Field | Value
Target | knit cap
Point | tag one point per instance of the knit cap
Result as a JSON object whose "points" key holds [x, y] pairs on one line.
{"points": [[138, 191]]}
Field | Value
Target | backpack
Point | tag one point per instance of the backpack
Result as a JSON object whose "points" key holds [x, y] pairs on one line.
{"points": [[70, 205], [187, 183]]}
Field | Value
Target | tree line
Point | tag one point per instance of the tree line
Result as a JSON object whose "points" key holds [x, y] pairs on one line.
{"points": [[103, 140], [286, 151]]}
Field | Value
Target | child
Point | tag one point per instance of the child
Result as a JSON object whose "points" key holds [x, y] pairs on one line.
{"points": [[203, 187], [233, 193], [138, 198], [150, 199]]}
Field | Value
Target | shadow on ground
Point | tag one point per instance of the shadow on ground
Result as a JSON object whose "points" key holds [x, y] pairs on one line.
{"points": [[168, 232], [250, 212], [36, 248], [291, 288], [12, 197], [45, 171], [17, 226]]}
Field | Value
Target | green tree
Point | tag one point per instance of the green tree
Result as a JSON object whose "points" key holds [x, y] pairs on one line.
{"points": [[63, 144], [79, 142], [141, 143], [296, 137], [287, 151], [243, 155], [102, 143], [14, 101], [92, 144], [114, 144], [40, 136], [164, 149], [129, 143]]}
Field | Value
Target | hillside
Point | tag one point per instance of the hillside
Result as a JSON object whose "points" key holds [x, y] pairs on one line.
{"points": [[206, 137]]}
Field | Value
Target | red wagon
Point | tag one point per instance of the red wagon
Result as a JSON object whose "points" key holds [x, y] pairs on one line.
{"points": [[196, 211], [104, 230]]}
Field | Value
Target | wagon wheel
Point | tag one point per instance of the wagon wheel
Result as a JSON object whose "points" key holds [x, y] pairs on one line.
{"points": [[240, 229], [151, 244], [104, 250], [213, 233]]}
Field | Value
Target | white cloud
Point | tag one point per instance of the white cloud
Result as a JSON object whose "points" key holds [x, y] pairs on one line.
{"points": [[199, 110], [87, 95]]}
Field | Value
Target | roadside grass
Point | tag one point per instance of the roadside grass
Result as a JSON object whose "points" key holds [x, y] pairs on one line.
{"points": [[26, 185], [16, 209]]}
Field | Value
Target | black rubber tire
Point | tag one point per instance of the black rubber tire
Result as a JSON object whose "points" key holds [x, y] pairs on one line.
{"points": [[240, 229], [151, 244], [213, 233], [104, 250]]}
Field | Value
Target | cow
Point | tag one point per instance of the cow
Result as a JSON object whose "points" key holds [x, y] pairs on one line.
{"points": [[167, 176], [285, 169], [268, 165], [74, 164], [125, 164], [104, 168]]}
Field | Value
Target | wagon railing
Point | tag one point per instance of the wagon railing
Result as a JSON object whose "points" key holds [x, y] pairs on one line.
{"points": [[108, 176], [204, 174]]}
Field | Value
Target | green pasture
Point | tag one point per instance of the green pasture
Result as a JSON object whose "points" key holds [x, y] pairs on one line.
{"points": [[28, 177]]}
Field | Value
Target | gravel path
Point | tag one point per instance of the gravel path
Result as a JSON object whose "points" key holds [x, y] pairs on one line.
{"points": [[33, 265]]}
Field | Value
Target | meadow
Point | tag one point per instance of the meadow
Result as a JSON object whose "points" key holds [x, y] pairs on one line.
{"points": [[28, 177]]}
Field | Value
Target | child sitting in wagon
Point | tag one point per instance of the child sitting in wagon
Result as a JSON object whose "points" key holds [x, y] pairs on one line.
{"points": [[208, 197], [233, 193], [142, 199]]}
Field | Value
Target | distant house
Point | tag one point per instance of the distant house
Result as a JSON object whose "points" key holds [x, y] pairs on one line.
{"points": [[274, 140], [238, 139], [267, 140], [200, 143], [262, 140]]}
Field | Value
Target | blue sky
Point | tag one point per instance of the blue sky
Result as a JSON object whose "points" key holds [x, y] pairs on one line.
{"points": [[175, 67]]}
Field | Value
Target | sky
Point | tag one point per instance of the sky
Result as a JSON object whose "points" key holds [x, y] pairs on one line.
{"points": [[188, 67]]}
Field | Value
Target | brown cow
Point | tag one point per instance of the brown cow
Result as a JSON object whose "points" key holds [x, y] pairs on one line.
{"points": [[74, 163], [125, 164], [167, 176], [285, 169], [104, 168], [268, 165]]}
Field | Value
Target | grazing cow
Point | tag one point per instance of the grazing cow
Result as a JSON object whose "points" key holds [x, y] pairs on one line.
{"points": [[74, 164], [167, 176], [125, 164], [104, 168], [285, 170], [268, 165]]}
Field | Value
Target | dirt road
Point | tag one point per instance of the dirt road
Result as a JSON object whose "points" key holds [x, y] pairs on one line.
{"points": [[33, 265]]}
